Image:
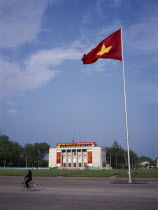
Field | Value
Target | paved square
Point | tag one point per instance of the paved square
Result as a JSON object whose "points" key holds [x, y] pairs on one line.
{"points": [[82, 193]]}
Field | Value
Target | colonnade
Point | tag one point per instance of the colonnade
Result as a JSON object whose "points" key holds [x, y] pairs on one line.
{"points": [[74, 157]]}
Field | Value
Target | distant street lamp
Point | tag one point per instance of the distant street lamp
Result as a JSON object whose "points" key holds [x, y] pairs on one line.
{"points": [[26, 161], [110, 160]]}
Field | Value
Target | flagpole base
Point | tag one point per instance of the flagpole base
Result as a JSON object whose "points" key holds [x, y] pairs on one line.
{"points": [[127, 182]]}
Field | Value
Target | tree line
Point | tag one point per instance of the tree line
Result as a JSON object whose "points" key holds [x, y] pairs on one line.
{"points": [[12, 154], [117, 157]]}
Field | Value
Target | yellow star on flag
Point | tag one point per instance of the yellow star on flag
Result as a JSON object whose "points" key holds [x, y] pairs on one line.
{"points": [[104, 50]]}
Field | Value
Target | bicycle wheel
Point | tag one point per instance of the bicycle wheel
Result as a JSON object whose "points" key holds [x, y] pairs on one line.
{"points": [[21, 186], [34, 187]]}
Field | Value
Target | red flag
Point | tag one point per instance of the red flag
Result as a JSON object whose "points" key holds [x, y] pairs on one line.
{"points": [[108, 48]]}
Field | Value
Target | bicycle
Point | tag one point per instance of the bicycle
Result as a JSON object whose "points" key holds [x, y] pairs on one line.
{"points": [[22, 186]]}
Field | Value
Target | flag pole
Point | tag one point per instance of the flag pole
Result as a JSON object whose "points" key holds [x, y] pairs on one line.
{"points": [[126, 116]]}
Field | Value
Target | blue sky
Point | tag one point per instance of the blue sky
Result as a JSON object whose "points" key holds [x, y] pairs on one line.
{"points": [[47, 94]]}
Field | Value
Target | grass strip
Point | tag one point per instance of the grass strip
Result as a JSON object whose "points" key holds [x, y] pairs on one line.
{"points": [[153, 173], [64, 173]]}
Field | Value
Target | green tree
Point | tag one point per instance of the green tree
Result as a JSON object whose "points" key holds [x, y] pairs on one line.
{"points": [[15, 154], [28, 155], [31, 155], [116, 155], [133, 159], [34, 154], [5, 148], [40, 151], [10, 152]]}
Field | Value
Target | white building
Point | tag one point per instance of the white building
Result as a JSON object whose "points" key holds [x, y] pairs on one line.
{"points": [[76, 155]]}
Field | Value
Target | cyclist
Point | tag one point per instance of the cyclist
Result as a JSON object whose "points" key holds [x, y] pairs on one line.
{"points": [[28, 178]]}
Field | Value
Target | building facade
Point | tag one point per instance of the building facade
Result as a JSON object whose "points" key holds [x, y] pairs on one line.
{"points": [[77, 155]]}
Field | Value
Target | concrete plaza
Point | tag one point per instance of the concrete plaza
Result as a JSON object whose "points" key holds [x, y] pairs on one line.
{"points": [[61, 193]]}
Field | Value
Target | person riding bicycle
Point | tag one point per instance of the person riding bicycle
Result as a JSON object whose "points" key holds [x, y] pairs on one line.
{"points": [[28, 178]]}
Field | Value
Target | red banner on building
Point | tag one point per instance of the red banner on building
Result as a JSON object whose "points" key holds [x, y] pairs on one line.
{"points": [[89, 157], [58, 157]]}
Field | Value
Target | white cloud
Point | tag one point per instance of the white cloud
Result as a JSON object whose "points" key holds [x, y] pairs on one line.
{"points": [[86, 18], [11, 103], [12, 112], [103, 5], [37, 70], [143, 36], [20, 21], [52, 57], [111, 3]]}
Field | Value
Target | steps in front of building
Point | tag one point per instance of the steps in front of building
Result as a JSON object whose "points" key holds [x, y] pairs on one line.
{"points": [[74, 168]]}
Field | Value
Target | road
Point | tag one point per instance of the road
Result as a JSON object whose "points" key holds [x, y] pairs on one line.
{"points": [[78, 194]]}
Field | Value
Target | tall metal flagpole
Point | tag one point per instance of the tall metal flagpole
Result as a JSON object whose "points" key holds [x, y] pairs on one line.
{"points": [[126, 117]]}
